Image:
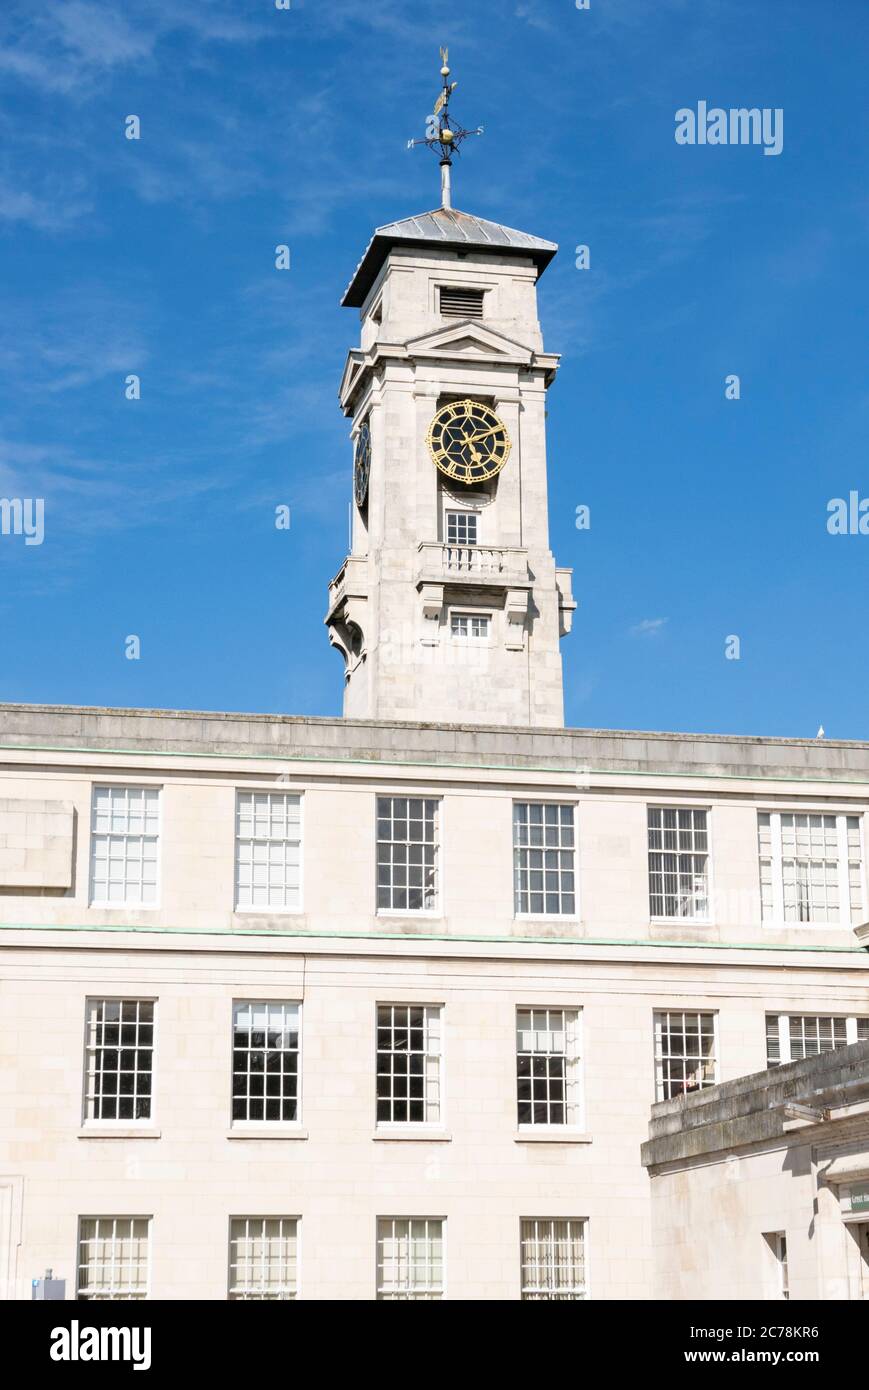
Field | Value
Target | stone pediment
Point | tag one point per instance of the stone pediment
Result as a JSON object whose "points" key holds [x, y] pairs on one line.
{"points": [[353, 368], [462, 341], [468, 338]]}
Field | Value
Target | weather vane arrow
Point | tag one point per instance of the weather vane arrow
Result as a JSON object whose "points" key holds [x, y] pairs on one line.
{"points": [[442, 133]]}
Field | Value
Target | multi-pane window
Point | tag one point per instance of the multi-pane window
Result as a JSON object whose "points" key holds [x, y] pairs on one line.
{"points": [[125, 830], [407, 853], [678, 862], [268, 851], [470, 627], [462, 528], [553, 1259], [789, 1037], [548, 1067], [265, 1061], [544, 876], [263, 1258], [685, 1057], [811, 867], [119, 1059], [410, 1257], [408, 1063], [113, 1257]]}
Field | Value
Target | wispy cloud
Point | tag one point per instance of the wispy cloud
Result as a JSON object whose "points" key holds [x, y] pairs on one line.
{"points": [[66, 49], [649, 627]]}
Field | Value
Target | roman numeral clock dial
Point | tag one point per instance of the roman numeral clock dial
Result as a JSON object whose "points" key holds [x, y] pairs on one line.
{"points": [[468, 442], [362, 465]]}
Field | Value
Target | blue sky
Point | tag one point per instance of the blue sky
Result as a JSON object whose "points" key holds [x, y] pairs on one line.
{"points": [[258, 127]]}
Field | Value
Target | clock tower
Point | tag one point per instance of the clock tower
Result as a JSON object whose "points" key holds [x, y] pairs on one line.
{"points": [[449, 607]]}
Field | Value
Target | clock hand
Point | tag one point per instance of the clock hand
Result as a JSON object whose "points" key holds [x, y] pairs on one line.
{"points": [[483, 434]]}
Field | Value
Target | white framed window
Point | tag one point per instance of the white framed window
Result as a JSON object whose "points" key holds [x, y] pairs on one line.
{"points": [[407, 854], [811, 867], [778, 1244], [462, 528], [113, 1257], [119, 1059], [268, 851], [265, 1062], [125, 837], [263, 1258], [678, 862], [553, 1259], [549, 1067], [410, 1257], [409, 1060], [686, 1053], [470, 627], [790, 1037], [544, 873]]}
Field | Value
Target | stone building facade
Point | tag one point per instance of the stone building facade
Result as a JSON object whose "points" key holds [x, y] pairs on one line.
{"points": [[760, 1187], [376, 1007]]}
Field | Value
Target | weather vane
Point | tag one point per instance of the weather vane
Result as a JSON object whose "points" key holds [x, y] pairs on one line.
{"points": [[443, 134]]}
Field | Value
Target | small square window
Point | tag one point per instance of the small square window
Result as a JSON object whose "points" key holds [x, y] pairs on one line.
{"points": [[410, 1258], [470, 627], [113, 1258], [462, 528], [263, 1258], [685, 1059]]}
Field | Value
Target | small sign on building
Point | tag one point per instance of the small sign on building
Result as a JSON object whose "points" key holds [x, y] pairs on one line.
{"points": [[854, 1201]]}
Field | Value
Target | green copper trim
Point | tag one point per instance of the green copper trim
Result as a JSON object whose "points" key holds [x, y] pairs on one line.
{"points": [[432, 936], [408, 762]]}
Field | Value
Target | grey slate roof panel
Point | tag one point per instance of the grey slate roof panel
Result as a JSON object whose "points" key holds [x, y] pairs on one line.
{"points": [[442, 227]]}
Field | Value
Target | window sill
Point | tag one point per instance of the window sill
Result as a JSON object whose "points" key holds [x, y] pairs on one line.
{"points": [[546, 917], [268, 911], [808, 926], [124, 907], [681, 922], [426, 913], [553, 1136], [119, 1132], [415, 1133], [267, 1132]]}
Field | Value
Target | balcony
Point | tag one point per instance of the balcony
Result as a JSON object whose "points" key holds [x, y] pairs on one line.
{"points": [[351, 582], [473, 566]]}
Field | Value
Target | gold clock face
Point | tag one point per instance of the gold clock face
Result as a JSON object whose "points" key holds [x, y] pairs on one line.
{"points": [[468, 442]]}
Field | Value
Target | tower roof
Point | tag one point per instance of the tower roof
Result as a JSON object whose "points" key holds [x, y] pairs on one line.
{"points": [[445, 227]]}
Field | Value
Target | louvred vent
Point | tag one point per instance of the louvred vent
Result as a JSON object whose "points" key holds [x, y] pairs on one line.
{"points": [[457, 302]]}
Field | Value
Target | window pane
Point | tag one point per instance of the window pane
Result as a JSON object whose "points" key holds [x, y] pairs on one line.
{"points": [[263, 1258], [124, 841], [553, 1259], [268, 851], [684, 1053], [407, 853], [119, 1049], [265, 1061], [113, 1257], [678, 862], [543, 882], [548, 1075], [410, 1258]]}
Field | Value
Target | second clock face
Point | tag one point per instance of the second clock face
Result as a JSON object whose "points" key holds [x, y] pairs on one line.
{"points": [[468, 442], [362, 465]]}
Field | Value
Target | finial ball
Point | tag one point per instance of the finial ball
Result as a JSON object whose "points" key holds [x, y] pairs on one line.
{"points": [[446, 136], [445, 72]]}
